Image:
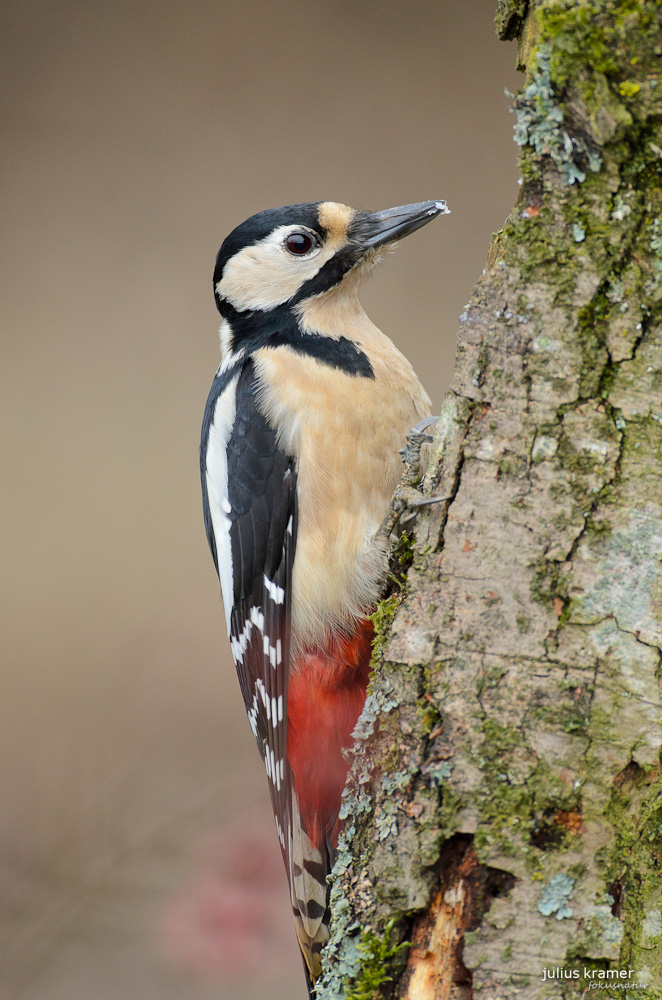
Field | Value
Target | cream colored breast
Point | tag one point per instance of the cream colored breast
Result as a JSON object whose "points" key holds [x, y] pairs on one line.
{"points": [[345, 432]]}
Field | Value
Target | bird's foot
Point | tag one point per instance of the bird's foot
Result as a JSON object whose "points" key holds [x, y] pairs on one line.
{"points": [[406, 496]]}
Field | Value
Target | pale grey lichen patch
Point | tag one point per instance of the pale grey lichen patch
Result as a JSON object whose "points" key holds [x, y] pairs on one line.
{"points": [[627, 710], [544, 447], [645, 975], [361, 802], [601, 934], [556, 895], [379, 701], [438, 773], [392, 783], [620, 575], [343, 947], [545, 343], [652, 924], [615, 291], [612, 934], [342, 952], [386, 819], [621, 209], [540, 125], [636, 661]]}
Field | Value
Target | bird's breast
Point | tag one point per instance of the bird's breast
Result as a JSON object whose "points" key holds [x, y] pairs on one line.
{"points": [[344, 432]]}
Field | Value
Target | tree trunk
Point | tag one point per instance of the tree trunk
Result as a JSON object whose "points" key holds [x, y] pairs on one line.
{"points": [[504, 812]]}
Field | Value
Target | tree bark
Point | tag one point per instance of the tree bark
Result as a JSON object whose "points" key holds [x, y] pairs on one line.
{"points": [[504, 810]]}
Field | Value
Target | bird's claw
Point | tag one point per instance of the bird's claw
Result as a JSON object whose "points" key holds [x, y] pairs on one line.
{"points": [[406, 495], [420, 501]]}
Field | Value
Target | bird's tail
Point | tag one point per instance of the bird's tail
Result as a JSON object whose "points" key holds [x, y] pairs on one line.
{"points": [[327, 691], [309, 867]]}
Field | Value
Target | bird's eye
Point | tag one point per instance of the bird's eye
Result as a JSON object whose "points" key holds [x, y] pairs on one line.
{"points": [[300, 243]]}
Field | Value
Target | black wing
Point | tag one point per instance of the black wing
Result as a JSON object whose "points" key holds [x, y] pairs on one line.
{"points": [[259, 504]]}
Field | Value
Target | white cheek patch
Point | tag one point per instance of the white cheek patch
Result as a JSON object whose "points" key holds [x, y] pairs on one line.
{"points": [[265, 275]]}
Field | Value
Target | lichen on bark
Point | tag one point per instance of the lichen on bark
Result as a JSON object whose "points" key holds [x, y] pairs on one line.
{"points": [[504, 811]]}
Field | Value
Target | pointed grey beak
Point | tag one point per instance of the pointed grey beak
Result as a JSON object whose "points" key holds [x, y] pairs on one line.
{"points": [[379, 228]]}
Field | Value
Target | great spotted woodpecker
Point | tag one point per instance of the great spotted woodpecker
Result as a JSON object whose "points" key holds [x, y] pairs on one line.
{"points": [[298, 460]]}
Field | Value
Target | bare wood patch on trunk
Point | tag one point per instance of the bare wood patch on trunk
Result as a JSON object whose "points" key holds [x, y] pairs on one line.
{"points": [[435, 969]]}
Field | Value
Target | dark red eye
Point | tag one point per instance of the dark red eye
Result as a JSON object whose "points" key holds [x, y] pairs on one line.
{"points": [[299, 243]]}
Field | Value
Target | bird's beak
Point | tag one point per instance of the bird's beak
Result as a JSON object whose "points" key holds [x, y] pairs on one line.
{"points": [[380, 228]]}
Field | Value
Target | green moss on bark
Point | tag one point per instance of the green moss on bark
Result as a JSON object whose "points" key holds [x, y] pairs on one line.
{"points": [[633, 865]]}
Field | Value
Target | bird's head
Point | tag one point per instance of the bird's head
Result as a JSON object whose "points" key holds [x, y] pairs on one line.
{"points": [[281, 257]]}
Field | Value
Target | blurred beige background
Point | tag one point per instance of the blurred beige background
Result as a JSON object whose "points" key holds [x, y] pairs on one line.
{"points": [[137, 855]]}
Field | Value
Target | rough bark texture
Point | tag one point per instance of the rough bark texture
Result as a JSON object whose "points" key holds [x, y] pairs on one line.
{"points": [[505, 807]]}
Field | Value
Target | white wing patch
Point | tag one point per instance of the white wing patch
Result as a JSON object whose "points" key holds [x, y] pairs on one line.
{"points": [[217, 490], [277, 594]]}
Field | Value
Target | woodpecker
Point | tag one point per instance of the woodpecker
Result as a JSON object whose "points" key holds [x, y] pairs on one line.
{"points": [[298, 461]]}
